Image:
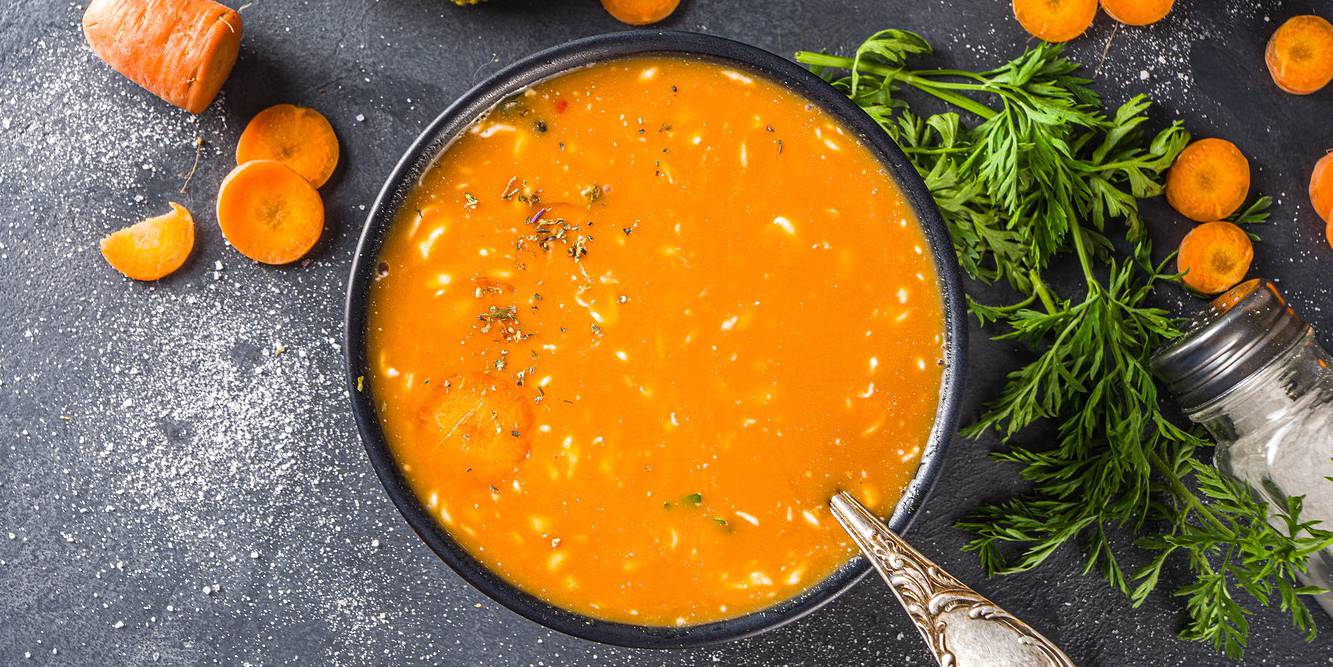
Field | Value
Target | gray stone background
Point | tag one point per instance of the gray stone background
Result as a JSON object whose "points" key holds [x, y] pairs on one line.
{"points": [[180, 479]]}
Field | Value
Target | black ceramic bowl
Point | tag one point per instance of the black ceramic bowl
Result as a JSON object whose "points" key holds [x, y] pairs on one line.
{"points": [[532, 70]]}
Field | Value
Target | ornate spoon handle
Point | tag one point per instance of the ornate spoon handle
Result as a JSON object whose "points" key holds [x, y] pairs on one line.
{"points": [[962, 628]]}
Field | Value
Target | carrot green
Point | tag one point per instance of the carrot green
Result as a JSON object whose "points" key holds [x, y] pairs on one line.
{"points": [[1036, 172]]}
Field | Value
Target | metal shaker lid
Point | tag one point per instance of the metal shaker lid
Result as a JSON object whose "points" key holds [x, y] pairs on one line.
{"points": [[1239, 334]]}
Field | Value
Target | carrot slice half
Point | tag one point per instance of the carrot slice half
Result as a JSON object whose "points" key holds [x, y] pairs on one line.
{"points": [[640, 12], [479, 423], [1137, 12], [154, 248], [1321, 188], [1214, 257], [269, 213], [1209, 180], [1300, 54], [1055, 20], [298, 137]]}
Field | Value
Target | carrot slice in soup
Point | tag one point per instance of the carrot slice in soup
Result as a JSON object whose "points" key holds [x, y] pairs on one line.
{"points": [[1321, 188], [179, 50], [479, 423], [270, 213], [1214, 257], [640, 12], [298, 137], [1300, 55], [1055, 20], [153, 248], [1209, 180], [1137, 12]]}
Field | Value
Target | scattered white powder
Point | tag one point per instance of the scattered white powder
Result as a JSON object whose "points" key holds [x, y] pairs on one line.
{"points": [[1117, 56], [200, 422], [62, 108]]}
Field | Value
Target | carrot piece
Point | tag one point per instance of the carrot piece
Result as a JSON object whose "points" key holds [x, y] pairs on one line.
{"points": [[152, 248], [298, 137], [1328, 233], [1137, 12], [1300, 54], [480, 423], [1055, 20], [640, 12], [1209, 180], [179, 50], [1321, 188], [269, 213], [1214, 257]]}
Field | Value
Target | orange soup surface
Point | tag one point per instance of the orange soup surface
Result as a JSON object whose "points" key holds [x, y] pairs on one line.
{"points": [[636, 325]]}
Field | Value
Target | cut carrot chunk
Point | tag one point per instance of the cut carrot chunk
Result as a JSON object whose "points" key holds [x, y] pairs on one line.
{"points": [[1300, 55], [1328, 233], [1321, 188], [1137, 12], [179, 50], [269, 213], [298, 137], [480, 423], [640, 12], [1214, 257], [153, 248], [1055, 20], [1209, 180]]}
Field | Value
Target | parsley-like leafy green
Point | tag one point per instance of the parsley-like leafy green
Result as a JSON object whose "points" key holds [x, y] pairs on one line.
{"points": [[1040, 171]]}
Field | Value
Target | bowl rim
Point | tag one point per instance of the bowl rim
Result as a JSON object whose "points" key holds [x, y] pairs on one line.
{"points": [[523, 74]]}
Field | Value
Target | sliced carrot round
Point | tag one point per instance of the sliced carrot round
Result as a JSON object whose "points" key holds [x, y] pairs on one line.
{"points": [[269, 213], [1328, 233], [1321, 188], [298, 137], [640, 12], [1137, 12], [1214, 257], [152, 248], [479, 422], [1300, 55], [1209, 180], [1055, 20]]}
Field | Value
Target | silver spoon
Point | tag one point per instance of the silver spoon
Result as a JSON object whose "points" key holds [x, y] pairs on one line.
{"points": [[962, 628]]}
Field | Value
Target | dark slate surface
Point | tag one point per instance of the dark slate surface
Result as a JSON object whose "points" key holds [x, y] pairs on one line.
{"points": [[180, 480]]}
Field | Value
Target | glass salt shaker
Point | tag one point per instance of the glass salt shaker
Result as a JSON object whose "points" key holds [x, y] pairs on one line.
{"points": [[1251, 372]]}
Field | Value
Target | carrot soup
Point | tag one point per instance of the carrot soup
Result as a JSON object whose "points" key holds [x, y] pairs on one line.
{"points": [[638, 323]]}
